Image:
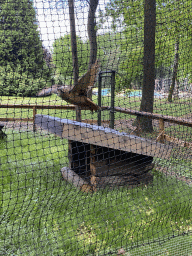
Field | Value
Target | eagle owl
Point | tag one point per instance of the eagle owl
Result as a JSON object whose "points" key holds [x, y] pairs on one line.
{"points": [[77, 95]]}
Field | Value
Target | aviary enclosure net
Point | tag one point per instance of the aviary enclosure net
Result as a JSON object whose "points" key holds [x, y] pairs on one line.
{"points": [[95, 127]]}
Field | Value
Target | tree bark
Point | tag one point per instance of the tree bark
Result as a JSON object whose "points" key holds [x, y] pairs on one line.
{"points": [[144, 123], [74, 51], [73, 41], [91, 28], [175, 68]]}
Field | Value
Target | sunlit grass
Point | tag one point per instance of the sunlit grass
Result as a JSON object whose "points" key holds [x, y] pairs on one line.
{"points": [[43, 214]]}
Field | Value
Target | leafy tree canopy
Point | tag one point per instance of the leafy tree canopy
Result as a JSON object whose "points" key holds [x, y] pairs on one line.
{"points": [[62, 55], [174, 19], [20, 45]]}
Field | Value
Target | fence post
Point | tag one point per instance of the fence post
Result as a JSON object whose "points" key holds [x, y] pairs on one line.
{"points": [[160, 137], [34, 113], [112, 111], [99, 99]]}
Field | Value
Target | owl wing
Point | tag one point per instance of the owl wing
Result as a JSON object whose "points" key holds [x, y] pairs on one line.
{"points": [[93, 74], [47, 91], [87, 80]]}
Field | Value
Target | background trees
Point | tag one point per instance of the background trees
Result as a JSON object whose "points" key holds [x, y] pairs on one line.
{"points": [[173, 24], [174, 36], [62, 55], [172, 43], [23, 70]]}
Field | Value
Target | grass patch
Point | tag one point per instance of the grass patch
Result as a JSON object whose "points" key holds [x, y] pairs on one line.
{"points": [[42, 214]]}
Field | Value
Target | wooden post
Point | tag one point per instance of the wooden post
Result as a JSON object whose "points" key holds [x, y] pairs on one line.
{"points": [[99, 98], [161, 125], [34, 113], [160, 137], [138, 129], [78, 113], [112, 111], [92, 167], [70, 154]]}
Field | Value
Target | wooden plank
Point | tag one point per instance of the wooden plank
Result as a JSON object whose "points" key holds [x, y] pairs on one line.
{"points": [[120, 167], [72, 107], [101, 136], [13, 119]]}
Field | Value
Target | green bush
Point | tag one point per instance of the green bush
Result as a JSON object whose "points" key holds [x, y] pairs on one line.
{"points": [[15, 82], [122, 82]]}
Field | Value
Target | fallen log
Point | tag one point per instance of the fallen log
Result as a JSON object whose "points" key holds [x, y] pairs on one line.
{"points": [[73, 178]]}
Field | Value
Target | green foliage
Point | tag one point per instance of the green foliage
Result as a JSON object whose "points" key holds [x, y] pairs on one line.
{"points": [[21, 50], [62, 55], [18, 83], [173, 21], [109, 50], [127, 16], [122, 82]]}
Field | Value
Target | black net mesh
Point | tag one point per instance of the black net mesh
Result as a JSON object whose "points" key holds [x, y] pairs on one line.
{"points": [[95, 127]]}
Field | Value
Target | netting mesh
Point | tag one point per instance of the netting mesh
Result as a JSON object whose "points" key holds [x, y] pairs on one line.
{"points": [[95, 127]]}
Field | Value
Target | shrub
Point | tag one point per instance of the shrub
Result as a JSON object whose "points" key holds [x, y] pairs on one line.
{"points": [[14, 82]]}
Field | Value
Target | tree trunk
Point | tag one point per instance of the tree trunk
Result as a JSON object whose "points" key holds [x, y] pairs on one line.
{"points": [[144, 123], [91, 28], [176, 90], [74, 51], [175, 68]]}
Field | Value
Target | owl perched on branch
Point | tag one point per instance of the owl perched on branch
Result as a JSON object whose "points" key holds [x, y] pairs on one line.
{"points": [[77, 95]]}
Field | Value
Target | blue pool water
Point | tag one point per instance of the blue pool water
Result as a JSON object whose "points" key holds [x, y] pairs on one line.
{"points": [[139, 94], [106, 91]]}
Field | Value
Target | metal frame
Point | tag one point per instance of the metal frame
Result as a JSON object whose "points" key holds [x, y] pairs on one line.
{"points": [[112, 107]]}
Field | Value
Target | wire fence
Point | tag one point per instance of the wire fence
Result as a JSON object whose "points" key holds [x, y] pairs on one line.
{"points": [[95, 127]]}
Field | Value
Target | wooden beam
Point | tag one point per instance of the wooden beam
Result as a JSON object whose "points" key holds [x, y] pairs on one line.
{"points": [[13, 119], [169, 119], [101, 136], [72, 107]]}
